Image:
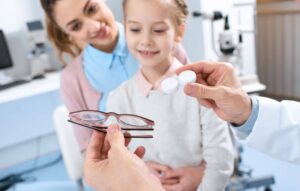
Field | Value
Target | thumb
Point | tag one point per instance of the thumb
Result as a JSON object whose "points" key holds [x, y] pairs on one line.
{"points": [[115, 136], [95, 146], [200, 91], [173, 174]]}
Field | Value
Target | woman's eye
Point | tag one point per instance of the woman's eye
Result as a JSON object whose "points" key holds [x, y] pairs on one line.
{"points": [[76, 27], [92, 9], [135, 30]]}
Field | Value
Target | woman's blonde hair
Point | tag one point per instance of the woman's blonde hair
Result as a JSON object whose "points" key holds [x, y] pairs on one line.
{"points": [[179, 7], [56, 35]]}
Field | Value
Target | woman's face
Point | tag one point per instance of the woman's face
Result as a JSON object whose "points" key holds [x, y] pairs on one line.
{"points": [[89, 21]]}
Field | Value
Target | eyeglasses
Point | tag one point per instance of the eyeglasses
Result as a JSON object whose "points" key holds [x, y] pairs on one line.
{"points": [[99, 121]]}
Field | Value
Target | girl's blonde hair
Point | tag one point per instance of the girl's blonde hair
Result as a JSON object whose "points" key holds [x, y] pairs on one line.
{"points": [[179, 7], [56, 35]]}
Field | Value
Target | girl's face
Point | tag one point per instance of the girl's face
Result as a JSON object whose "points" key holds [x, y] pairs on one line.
{"points": [[150, 32], [89, 21]]}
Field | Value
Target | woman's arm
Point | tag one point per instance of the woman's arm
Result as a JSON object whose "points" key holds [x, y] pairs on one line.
{"points": [[73, 99], [180, 53]]}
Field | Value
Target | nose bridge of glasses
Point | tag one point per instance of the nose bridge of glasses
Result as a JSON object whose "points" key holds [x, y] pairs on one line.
{"points": [[112, 118]]}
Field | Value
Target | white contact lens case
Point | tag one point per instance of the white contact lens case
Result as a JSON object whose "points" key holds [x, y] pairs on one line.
{"points": [[187, 77], [170, 85]]}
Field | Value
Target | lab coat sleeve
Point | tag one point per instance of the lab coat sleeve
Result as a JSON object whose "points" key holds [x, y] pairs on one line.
{"points": [[277, 129], [217, 151]]}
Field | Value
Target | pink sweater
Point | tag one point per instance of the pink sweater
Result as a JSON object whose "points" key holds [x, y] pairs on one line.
{"points": [[78, 94]]}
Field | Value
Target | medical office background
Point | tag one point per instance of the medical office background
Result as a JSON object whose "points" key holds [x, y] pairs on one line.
{"points": [[270, 56]]}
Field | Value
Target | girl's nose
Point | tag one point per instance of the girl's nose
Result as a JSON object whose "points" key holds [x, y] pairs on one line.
{"points": [[147, 40]]}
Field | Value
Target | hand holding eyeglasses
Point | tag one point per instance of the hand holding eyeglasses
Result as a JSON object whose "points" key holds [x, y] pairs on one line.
{"points": [[129, 172], [99, 121]]}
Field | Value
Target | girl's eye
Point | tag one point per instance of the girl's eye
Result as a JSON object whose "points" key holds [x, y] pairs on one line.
{"points": [[92, 9], [159, 31], [76, 27]]}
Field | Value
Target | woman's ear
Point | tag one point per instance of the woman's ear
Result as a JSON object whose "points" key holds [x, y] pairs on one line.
{"points": [[180, 33]]}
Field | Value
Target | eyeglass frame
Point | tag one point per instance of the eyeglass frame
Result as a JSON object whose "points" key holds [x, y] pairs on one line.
{"points": [[149, 127]]}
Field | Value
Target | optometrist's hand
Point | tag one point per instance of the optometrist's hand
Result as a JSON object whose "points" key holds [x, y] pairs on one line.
{"points": [[109, 165], [189, 178], [219, 88]]}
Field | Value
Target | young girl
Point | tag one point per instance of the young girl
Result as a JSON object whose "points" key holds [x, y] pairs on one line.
{"points": [[185, 134], [102, 64]]}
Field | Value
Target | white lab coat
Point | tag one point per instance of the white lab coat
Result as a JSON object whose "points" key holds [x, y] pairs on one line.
{"points": [[277, 129]]}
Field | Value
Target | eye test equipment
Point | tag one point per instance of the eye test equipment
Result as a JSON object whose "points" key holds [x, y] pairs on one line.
{"points": [[38, 56], [171, 84], [100, 121], [228, 51], [231, 48]]}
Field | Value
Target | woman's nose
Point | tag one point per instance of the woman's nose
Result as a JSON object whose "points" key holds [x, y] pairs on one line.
{"points": [[93, 27]]}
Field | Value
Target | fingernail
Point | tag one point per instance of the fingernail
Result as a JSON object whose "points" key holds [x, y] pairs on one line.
{"points": [[189, 88]]}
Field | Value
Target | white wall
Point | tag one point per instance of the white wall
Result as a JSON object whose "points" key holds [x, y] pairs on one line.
{"points": [[193, 37], [14, 14], [116, 7], [244, 14]]}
